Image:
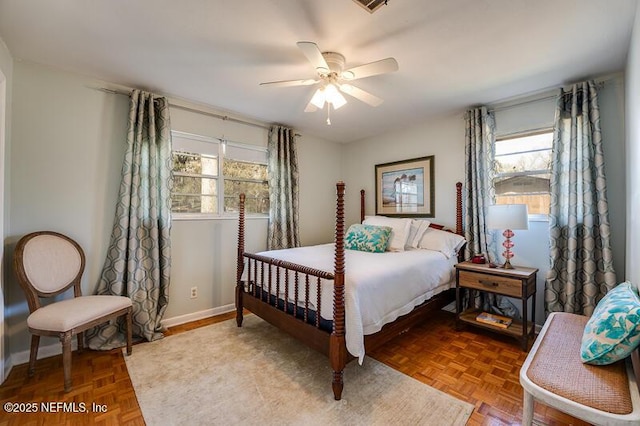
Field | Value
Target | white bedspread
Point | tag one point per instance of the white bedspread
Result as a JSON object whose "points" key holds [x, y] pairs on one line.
{"points": [[379, 287]]}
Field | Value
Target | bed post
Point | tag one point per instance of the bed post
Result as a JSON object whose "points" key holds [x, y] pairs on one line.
{"points": [[361, 205], [459, 229], [337, 345], [240, 264]]}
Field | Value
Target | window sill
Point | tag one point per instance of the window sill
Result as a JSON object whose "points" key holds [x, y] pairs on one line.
{"points": [[182, 217], [538, 218]]}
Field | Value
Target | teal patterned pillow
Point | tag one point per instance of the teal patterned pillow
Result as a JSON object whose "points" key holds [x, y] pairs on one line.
{"points": [[613, 331], [371, 238]]}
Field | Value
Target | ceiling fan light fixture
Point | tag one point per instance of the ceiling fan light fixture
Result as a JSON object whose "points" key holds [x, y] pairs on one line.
{"points": [[319, 97], [334, 97], [331, 73]]}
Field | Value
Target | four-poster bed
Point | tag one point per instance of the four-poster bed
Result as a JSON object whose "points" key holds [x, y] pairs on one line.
{"points": [[290, 295]]}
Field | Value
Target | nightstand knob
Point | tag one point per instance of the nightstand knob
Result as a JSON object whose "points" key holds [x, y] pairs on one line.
{"points": [[489, 283]]}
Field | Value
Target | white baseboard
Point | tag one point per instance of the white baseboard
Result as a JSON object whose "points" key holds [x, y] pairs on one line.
{"points": [[56, 348], [195, 316], [22, 357], [8, 365]]}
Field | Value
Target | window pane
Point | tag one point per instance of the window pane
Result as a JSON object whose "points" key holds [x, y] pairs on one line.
{"points": [[194, 203], [251, 205], [527, 161], [195, 164], [200, 181], [536, 203], [194, 185], [523, 184], [257, 196], [522, 166], [524, 143], [240, 169]]}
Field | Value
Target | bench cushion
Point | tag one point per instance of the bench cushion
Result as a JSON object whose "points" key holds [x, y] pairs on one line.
{"points": [[557, 367]]}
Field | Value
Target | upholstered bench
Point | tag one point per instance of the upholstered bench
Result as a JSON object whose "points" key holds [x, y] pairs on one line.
{"points": [[553, 373]]}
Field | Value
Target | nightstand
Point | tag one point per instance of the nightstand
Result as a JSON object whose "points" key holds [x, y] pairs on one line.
{"points": [[519, 283]]}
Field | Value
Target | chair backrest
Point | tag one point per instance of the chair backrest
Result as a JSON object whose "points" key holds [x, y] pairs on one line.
{"points": [[48, 263]]}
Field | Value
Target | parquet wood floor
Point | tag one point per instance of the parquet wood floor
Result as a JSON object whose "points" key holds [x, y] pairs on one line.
{"points": [[472, 365]]}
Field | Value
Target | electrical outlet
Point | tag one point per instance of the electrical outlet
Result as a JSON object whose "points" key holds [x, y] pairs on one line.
{"points": [[194, 292]]}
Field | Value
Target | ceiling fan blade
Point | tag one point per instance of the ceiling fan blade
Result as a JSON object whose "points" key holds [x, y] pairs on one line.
{"points": [[360, 94], [289, 83], [382, 66], [314, 55]]}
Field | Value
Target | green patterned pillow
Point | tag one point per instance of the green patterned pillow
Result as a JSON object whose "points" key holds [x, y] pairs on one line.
{"points": [[369, 238], [613, 331]]}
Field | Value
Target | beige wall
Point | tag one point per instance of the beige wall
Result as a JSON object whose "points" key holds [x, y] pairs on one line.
{"points": [[440, 136], [632, 192], [68, 146], [444, 137], [6, 86], [66, 154]]}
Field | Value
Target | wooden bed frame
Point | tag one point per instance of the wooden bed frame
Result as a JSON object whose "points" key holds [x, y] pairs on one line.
{"points": [[331, 344]]}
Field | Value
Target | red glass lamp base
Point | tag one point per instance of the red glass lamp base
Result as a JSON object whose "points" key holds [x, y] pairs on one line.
{"points": [[508, 245]]}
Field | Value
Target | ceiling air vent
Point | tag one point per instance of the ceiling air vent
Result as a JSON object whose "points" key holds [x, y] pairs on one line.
{"points": [[371, 5]]}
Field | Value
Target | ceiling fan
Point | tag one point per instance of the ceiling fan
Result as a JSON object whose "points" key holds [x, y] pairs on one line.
{"points": [[333, 78]]}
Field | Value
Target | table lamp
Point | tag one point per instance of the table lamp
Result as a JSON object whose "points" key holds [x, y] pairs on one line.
{"points": [[508, 217]]}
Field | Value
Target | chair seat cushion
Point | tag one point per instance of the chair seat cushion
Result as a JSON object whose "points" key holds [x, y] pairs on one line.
{"points": [[557, 367], [71, 313]]}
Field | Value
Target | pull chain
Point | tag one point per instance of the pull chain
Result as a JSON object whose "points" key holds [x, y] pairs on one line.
{"points": [[328, 114]]}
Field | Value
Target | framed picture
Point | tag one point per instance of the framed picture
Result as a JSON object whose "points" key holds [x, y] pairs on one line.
{"points": [[406, 188]]}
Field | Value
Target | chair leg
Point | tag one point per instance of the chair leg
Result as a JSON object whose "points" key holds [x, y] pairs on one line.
{"points": [[80, 337], [129, 330], [33, 354], [527, 409], [65, 339]]}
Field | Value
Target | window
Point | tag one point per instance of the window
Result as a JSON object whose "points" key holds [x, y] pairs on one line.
{"points": [[523, 171], [209, 175]]}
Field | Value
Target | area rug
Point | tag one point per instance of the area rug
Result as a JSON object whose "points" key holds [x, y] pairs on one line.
{"points": [[258, 375]]}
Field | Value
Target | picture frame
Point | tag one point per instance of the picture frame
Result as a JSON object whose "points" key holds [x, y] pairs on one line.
{"points": [[406, 188]]}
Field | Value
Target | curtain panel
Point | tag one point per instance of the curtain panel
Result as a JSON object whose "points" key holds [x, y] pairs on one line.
{"points": [[283, 189], [580, 245], [138, 259], [479, 195], [479, 174]]}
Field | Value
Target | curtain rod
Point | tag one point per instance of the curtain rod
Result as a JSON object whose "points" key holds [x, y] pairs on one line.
{"points": [[530, 101], [557, 92], [197, 111]]}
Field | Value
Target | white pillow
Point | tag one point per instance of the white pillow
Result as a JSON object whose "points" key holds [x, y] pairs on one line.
{"points": [[399, 230], [418, 228], [445, 242]]}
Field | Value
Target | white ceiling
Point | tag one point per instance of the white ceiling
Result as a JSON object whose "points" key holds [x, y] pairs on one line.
{"points": [[451, 53]]}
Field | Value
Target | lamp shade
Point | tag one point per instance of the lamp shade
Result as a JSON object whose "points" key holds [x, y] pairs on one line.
{"points": [[508, 216]]}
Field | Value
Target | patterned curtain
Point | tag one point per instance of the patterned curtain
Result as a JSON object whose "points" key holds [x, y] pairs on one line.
{"points": [[139, 256], [480, 193], [479, 189], [581, 257], [283, 189]]}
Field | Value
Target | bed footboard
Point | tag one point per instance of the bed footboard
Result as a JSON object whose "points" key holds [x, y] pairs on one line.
{"points": [[277, 291]]}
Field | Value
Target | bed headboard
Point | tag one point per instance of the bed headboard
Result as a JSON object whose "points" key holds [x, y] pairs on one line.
{"points": [[459, 230]]}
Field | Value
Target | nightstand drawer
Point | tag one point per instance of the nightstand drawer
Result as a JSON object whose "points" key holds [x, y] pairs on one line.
{"points": [[493, 283]]}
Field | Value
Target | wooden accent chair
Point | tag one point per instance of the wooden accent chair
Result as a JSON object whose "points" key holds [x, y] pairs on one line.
{"points": [[47, 264], [554, 374]]}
